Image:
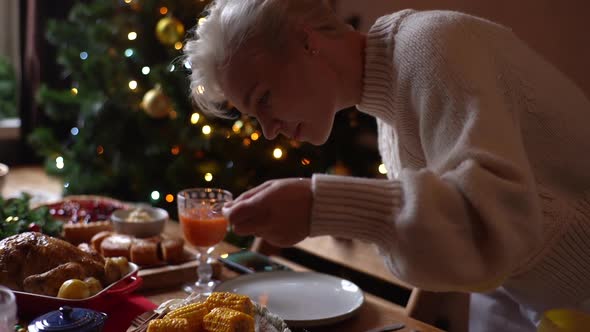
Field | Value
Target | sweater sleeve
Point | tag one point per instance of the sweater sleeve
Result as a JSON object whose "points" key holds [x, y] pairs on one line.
{"points": [[471, 218]]}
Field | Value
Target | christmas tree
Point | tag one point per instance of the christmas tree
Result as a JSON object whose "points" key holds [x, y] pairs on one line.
{"points": [[125, 127]]}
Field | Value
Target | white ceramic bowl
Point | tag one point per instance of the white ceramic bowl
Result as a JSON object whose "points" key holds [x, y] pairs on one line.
{"points": [[152, 225], [3, 174]]}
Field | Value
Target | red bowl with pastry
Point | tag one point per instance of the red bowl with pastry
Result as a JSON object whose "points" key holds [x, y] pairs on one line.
{"points": [[84, 215], [45, 273]]}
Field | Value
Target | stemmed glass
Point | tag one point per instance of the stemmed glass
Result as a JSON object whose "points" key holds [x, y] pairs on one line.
{"points": [[203, 226]]}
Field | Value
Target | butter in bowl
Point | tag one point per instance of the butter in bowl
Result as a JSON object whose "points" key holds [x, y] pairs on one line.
{"points": [[141, 222]]}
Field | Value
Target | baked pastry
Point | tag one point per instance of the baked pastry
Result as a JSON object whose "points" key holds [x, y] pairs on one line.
{"points": [[78, 233], [116, 245], [172, 250], [84, 215], [144, 252]]}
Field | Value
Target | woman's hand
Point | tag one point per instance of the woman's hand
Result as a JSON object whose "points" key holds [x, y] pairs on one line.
{"points": [[277, 210]]}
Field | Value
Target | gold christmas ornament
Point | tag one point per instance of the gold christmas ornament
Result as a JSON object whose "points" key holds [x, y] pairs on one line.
{"points": [[169, 30], [156, 104]]}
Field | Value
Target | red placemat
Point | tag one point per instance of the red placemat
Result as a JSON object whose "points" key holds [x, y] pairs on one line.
{"points": [[129, 307]]}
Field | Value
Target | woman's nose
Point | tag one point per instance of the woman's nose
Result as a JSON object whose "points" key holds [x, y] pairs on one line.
{"points": [[270, 128]]}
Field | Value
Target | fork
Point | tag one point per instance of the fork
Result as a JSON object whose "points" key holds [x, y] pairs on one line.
{"points": [[139, 320], [142, 321]]}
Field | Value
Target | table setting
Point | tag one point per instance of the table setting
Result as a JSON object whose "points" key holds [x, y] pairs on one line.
{"points": [[163, 267]]}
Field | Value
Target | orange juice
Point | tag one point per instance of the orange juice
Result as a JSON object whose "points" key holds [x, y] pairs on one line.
{"points": [[203, 232]]}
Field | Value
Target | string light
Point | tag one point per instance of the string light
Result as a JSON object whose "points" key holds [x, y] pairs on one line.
{"points": [[99, 150], [208, 177], [172, 67], [145, 70], [277, 153], [237, 126], [132, 35], [169, 198], [128, 1], [255, 136], [129, 52], [207, 129], [83, 55], [382, 169], [155, 195], [187, 64], [178, 45], [59, 162], [75, 131], [202, 20], [132, 85], [195, 118], [246, 142], [305, 162], [163, 10], [74, 91], [175, 150], [295, 144]]}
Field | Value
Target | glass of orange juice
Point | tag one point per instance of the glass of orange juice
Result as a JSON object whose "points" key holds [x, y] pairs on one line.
{"points": [[203, 226]]}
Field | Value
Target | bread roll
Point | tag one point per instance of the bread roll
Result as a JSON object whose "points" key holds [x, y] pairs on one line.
{"points": [[116, 245], [97, 239], [145, 252], [173, 250]]}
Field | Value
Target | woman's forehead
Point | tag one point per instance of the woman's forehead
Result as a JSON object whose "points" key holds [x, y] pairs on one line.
{"points": [[240, 74]]}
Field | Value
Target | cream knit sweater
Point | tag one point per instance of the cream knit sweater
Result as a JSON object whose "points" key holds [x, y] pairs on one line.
{"points": [[487, 148]]}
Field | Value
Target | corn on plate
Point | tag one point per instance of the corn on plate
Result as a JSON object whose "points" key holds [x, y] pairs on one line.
{"points": [[220, 312]]}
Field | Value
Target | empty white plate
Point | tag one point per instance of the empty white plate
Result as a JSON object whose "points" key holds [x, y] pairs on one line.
{"points": [[301, 299]]}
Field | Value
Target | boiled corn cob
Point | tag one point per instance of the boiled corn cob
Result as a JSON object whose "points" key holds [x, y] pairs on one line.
{"points": [[228, 320], [193, 312], [169, 325], [237, 302]]}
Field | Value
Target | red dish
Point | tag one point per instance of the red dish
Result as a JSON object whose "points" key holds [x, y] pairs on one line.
{"points": [[84, 208], [33, 305], [84, 215]]}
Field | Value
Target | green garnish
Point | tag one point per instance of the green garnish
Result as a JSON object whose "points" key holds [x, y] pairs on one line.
{"points": [[16, 216]]}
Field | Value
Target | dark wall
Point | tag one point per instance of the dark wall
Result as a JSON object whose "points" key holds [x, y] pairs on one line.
{"points": [[559, 30]]}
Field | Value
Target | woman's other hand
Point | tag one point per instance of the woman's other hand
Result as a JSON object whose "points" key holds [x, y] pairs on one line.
{"points": [[277, 210]]}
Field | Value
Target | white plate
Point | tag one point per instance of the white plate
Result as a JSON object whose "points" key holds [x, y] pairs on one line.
{"points": [[301, 299]]}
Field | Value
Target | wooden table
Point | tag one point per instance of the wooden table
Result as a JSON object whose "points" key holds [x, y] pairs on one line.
{"points": [[375, 312]]}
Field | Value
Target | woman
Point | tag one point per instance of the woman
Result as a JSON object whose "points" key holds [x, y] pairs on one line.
{"points": [[484, 143]]}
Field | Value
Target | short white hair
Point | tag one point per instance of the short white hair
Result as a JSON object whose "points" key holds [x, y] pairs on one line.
{"points": [[230, 23]]}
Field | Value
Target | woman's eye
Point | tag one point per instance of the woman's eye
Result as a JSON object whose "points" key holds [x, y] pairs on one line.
{"points": [[264, 100]]}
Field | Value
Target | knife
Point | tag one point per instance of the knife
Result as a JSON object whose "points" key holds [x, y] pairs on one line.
{"points": [[388, 328]]}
